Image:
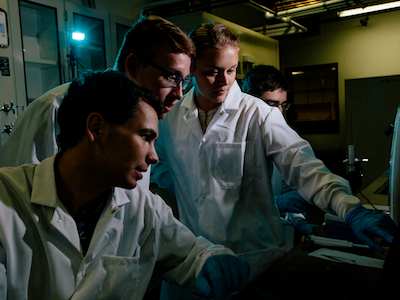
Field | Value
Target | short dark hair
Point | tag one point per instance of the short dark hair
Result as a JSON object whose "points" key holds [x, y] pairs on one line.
{"points": [[148, 35], [212, 35], [108, 92], [264, 78]]}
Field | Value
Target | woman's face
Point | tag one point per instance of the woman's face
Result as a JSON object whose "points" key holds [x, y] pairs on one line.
{"points": [[214, 73]]}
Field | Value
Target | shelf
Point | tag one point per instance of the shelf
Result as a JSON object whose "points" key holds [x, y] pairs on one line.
{"points": [[41, 63], [91, 48], [314, 99], [317, 127], [312, 120], [314, 103], [316, 88]]}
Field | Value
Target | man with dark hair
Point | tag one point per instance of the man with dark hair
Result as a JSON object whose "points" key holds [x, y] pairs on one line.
{"points": [[154, 53], [88, 93], [75, 226], [269, 84]]}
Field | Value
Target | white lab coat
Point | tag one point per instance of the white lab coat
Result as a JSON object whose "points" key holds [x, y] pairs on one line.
{"points": [[222, 178], [34, 134], [33, 137], [41, 256]]}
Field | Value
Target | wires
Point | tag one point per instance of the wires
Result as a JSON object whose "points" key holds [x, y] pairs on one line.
{"points": [[367, 199]]}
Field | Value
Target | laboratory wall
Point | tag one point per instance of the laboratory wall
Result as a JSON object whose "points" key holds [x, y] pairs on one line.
{"points": [[361, 52], [124, 8], [371, 106], [255, 48]]}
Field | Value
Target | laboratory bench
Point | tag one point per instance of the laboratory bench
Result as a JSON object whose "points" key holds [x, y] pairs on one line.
{"points": [[290, 277]]}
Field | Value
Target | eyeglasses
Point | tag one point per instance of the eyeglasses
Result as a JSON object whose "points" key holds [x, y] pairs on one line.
{"points": [[173, 78], [285, 105]]}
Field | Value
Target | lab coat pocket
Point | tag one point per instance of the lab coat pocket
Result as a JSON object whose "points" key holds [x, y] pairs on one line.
{"points": [[121, 277], [233, 164]]}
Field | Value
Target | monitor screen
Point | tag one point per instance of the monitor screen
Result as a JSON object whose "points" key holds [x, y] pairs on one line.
{"points": [[394, 172]]}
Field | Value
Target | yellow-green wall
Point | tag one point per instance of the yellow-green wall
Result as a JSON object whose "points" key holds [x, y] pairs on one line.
{"points": [[361, 52]]}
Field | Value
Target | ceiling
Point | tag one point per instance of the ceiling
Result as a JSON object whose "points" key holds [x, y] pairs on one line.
{"points": [[283, 17]]}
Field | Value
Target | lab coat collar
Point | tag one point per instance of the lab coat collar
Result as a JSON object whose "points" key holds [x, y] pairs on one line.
{"points": [[191, 115], [57, 94], [189, 103], [229, 106], [118, 198], [232, 99], [44, 191]]}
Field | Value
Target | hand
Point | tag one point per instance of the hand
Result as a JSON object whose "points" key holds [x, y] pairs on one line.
{"points": [[367, 223], [291, 202], [299, 221], [304, 227], [221, 275]]}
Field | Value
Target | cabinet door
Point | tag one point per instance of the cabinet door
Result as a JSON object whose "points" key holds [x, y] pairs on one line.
{"points": [[94, 52], [41, 48], [40, 36], [119, 27]]}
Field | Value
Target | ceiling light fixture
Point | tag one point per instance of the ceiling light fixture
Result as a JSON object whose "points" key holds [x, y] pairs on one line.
{"points": [[369, 9]]}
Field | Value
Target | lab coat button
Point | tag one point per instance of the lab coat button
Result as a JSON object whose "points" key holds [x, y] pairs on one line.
{"points": [[58, 220]]}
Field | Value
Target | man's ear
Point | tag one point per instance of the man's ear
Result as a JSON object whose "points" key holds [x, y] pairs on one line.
{"points": [[131, 66], [94, 125]]}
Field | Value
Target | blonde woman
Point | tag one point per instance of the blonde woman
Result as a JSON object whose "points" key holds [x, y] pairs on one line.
{"points": [[217, 147]]}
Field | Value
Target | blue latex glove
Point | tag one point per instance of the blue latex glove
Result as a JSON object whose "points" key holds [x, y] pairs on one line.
{"points": [[304, 227], [367, 223], [291, 202], [299, 221], [221, 275]]}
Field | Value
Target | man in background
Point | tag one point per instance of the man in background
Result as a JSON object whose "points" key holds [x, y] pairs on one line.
{"points": [[269, 84]]}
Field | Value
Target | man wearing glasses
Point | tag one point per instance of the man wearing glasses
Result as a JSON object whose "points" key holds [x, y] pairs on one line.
{"points": [[154, 53], [269, 84], [157, 54]]}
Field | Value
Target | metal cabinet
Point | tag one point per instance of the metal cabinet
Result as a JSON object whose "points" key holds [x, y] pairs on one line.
{"points": [[43, 56], [38, 55]]}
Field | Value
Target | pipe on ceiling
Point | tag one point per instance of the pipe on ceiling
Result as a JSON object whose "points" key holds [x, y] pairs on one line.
{"points": [[268, 12], [308, 9]]}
